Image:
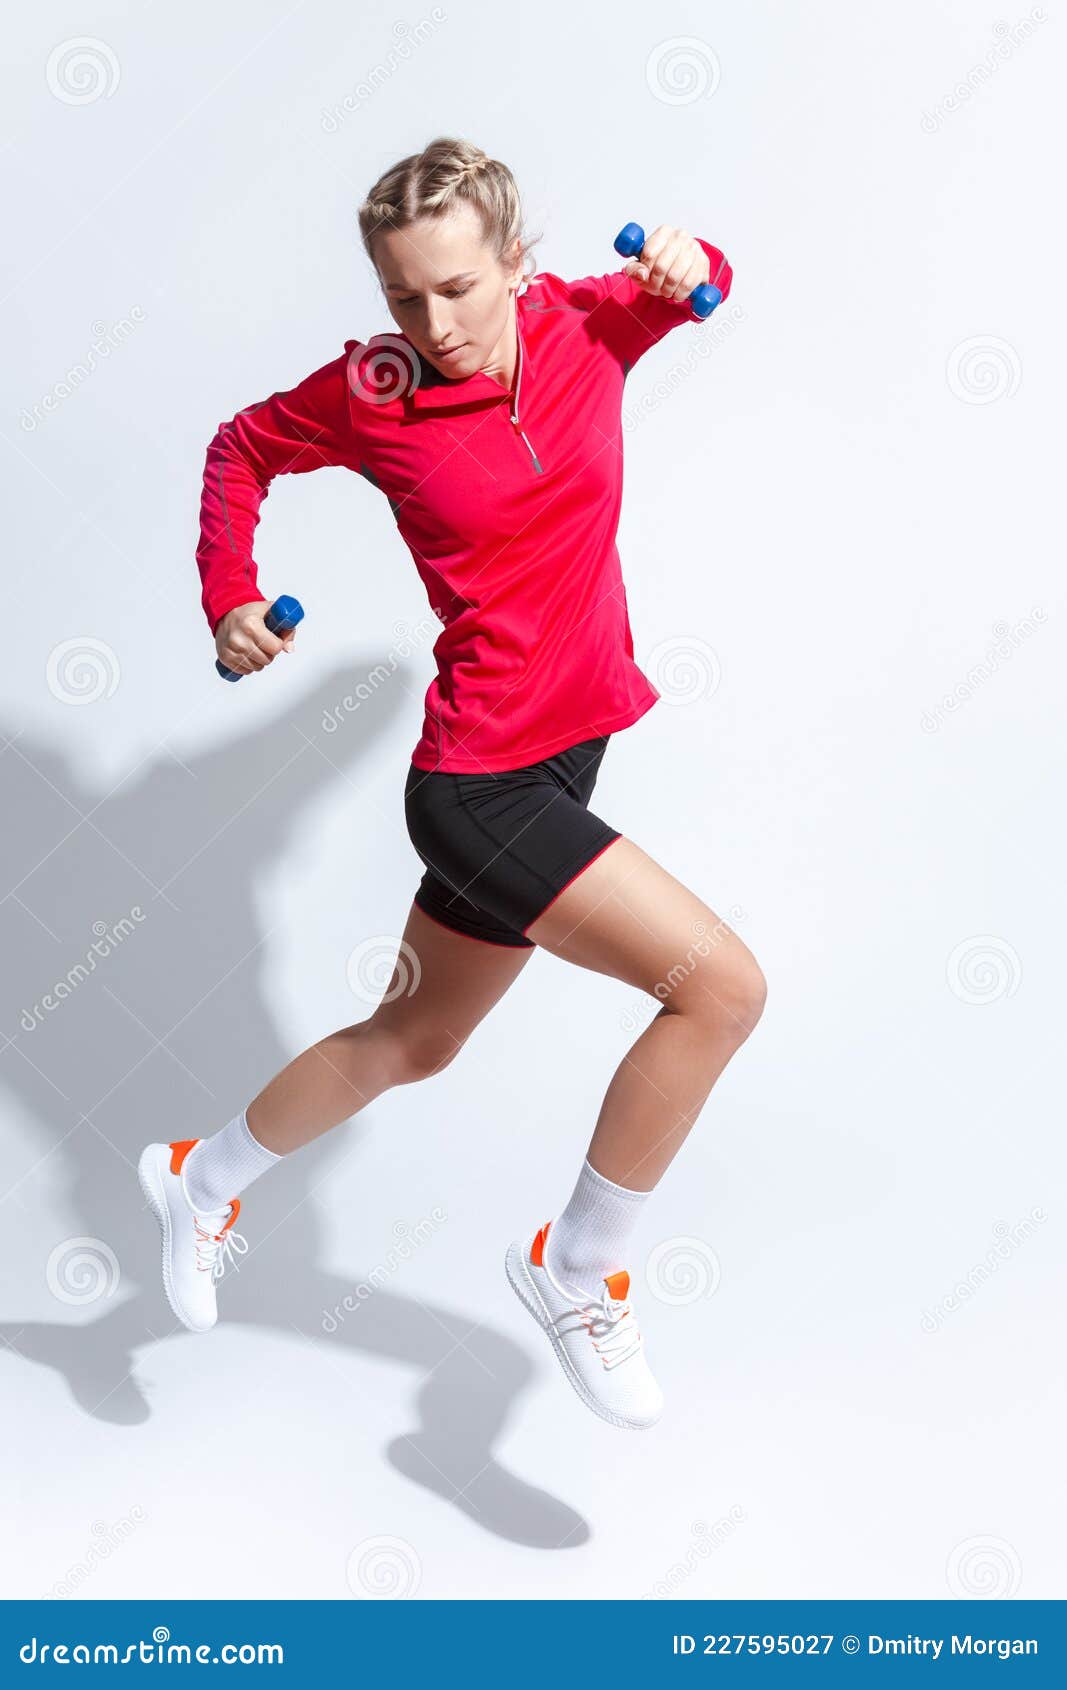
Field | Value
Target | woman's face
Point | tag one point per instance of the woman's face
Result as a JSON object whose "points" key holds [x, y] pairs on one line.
{"points": [[445, 289]]}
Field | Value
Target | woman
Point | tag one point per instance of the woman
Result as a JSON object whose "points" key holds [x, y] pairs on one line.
{"points": [[492, 423]]}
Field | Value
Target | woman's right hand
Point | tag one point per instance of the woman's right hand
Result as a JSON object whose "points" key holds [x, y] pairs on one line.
{"points": [[244, 642]]}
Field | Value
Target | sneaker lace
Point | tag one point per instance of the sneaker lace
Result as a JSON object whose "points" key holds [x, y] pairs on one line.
{"points": [[214, 1247], [610, 1321], [613, 1328]]}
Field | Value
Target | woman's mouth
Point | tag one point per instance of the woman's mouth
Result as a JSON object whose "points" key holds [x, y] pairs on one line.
{"points": [[452, 352]]}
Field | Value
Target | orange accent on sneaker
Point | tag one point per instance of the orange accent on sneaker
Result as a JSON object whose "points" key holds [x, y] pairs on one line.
{"points": [[181, 1148], [537, 1248], [618, 1285], [236, 1201]]}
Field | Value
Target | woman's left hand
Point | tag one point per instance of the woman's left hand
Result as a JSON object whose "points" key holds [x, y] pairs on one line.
{"points": [[671, 264]]}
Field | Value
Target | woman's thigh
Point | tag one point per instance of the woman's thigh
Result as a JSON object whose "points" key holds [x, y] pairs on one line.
{"points": [[627, 917], [444, 983]]}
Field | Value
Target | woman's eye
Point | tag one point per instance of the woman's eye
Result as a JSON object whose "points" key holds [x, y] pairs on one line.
{"points": [[457, 293]]}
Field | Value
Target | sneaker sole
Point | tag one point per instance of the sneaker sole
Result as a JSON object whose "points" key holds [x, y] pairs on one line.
{"points": [[521, 1282], [148, 1175]]}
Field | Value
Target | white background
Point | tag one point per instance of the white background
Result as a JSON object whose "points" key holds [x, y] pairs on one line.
{"points": [[846, 498]]}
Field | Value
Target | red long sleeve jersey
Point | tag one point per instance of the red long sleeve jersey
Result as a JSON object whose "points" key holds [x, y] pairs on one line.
{"points": [[507, 500]]}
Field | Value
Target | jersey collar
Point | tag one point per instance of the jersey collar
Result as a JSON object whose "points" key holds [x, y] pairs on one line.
{"points": [[440, 392]]}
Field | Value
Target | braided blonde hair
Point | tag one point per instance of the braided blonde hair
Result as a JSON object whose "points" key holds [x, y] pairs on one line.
{"points": [[431, 183]]}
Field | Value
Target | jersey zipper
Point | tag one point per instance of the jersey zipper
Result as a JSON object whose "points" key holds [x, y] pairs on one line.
{"points": [[515, 423]]}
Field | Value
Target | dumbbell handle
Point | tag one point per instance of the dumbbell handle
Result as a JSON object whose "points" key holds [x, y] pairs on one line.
{"points": [[702, 300], [281, 618]]}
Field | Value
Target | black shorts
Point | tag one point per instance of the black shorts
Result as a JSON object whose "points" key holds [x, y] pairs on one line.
{"points": [[498, 848]]}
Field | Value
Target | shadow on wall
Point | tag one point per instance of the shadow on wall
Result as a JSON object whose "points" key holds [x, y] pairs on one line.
{"points": [[167, 1037]]}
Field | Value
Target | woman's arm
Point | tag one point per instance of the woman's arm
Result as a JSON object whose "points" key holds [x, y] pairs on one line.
{"points": [[288, 434], [630, 319]]}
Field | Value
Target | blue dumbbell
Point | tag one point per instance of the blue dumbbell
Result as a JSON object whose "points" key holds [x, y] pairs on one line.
{"points": [[702, 300], [281, 618]]}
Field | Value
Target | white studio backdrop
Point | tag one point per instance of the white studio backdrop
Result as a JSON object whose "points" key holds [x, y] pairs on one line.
{"points": [[844, 570]]}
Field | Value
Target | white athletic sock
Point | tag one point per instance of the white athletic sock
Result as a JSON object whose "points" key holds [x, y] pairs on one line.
{"points": [[589, 1239], [220, 1167]]}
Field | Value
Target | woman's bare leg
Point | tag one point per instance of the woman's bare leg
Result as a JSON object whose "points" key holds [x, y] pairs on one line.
{"points": [[627, 917], [412, 1034]]}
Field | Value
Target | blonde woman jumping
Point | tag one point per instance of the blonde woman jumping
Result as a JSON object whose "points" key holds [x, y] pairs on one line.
{"points": [[492, 423]]}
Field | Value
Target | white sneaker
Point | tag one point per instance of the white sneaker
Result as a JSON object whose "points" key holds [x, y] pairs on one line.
{"points": [[196, 1247], [595, 1337]]}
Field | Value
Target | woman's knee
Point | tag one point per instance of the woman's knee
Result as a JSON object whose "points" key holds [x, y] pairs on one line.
{"points": [[728, 999], [420, 1056]]}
